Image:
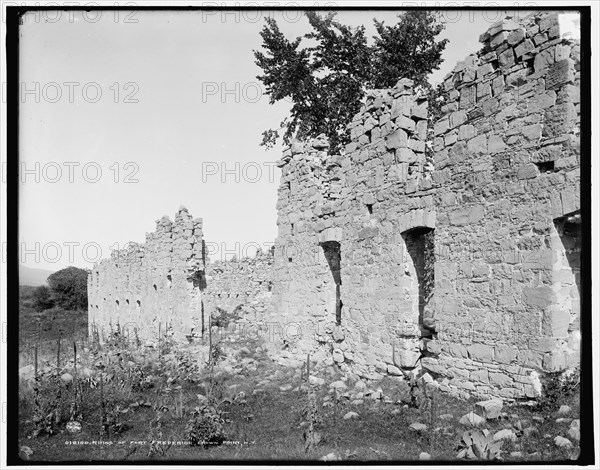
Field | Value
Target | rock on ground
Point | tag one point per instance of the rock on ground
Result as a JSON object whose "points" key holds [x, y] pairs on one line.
{"points": [[418, 427], [472, 419], [562, 442], [505, 434], [490, 409], [66, 378], [564, 410]]}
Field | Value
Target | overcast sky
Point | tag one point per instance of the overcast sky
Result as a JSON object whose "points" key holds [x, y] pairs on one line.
{"points": [[124, 118]]}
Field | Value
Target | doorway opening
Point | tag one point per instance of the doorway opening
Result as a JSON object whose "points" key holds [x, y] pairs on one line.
{"points": [[332, 251], [420, 246]]}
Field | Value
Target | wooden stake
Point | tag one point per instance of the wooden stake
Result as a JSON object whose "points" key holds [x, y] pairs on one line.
{"points": [[75, 357], [209, 343], [308, 368], [35, 358], [102, 411], [58, 354]]}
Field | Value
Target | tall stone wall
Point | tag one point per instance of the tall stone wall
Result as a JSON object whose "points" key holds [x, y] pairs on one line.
{"points": [[156, 282], [507, 159], [465, 263], [343, 265]]}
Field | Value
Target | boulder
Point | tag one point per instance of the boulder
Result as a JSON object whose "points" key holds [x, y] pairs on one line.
{"points": [[66, 378], [360, 385], [338, 355], [418, 427], [574, 433], [339, 385], [316, 380], [560, 441], [472, 419], [564, 410], [490, 409], [505, 434]]}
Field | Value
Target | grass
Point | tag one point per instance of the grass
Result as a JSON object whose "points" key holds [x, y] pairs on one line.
{"points": [[264, 426], [43, 329], [148, 395]]}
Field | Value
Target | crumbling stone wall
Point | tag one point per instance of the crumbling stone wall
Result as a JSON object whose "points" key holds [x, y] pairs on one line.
{"points": [[156, 282], [366, 202], [494, 215], [245, 284], [507, 161], [169, 284]]}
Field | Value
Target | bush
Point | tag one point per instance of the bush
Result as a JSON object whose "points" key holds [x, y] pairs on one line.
{"points": [[42, 298], [69, 288]]}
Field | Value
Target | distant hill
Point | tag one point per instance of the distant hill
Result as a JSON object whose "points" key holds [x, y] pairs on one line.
{"points": [[33, 276]]}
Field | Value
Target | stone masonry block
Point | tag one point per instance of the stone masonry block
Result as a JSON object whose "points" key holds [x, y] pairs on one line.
{"points": [[559, 74], [481, 352], [477, 145], [396, 139], [538, 297]]}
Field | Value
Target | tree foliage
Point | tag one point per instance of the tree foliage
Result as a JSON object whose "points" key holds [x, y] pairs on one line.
{"points": [[327, 79], [69, 288]]}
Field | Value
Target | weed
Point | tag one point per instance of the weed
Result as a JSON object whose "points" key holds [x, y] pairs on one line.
{"points": [[223, 318], [114, 418], [310, 414], [557, 389], [206, 426], [479, 445], [48, 405], [216, 353], [155, 436]]}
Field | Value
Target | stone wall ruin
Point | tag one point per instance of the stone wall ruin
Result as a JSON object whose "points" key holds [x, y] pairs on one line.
{"points": [[168, 284], [463, 260], [452, 246]]}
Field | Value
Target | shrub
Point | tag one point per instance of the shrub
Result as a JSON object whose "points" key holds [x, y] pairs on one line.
{"points": [[206, 427], [42, 298]]}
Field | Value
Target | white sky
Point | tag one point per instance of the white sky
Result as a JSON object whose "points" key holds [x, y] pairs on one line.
{"points": [[169, 138]]}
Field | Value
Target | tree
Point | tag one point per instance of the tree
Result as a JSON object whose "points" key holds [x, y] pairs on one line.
{"points": [[69, 288], [42, 298], [327, 81], [408, 49]]}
